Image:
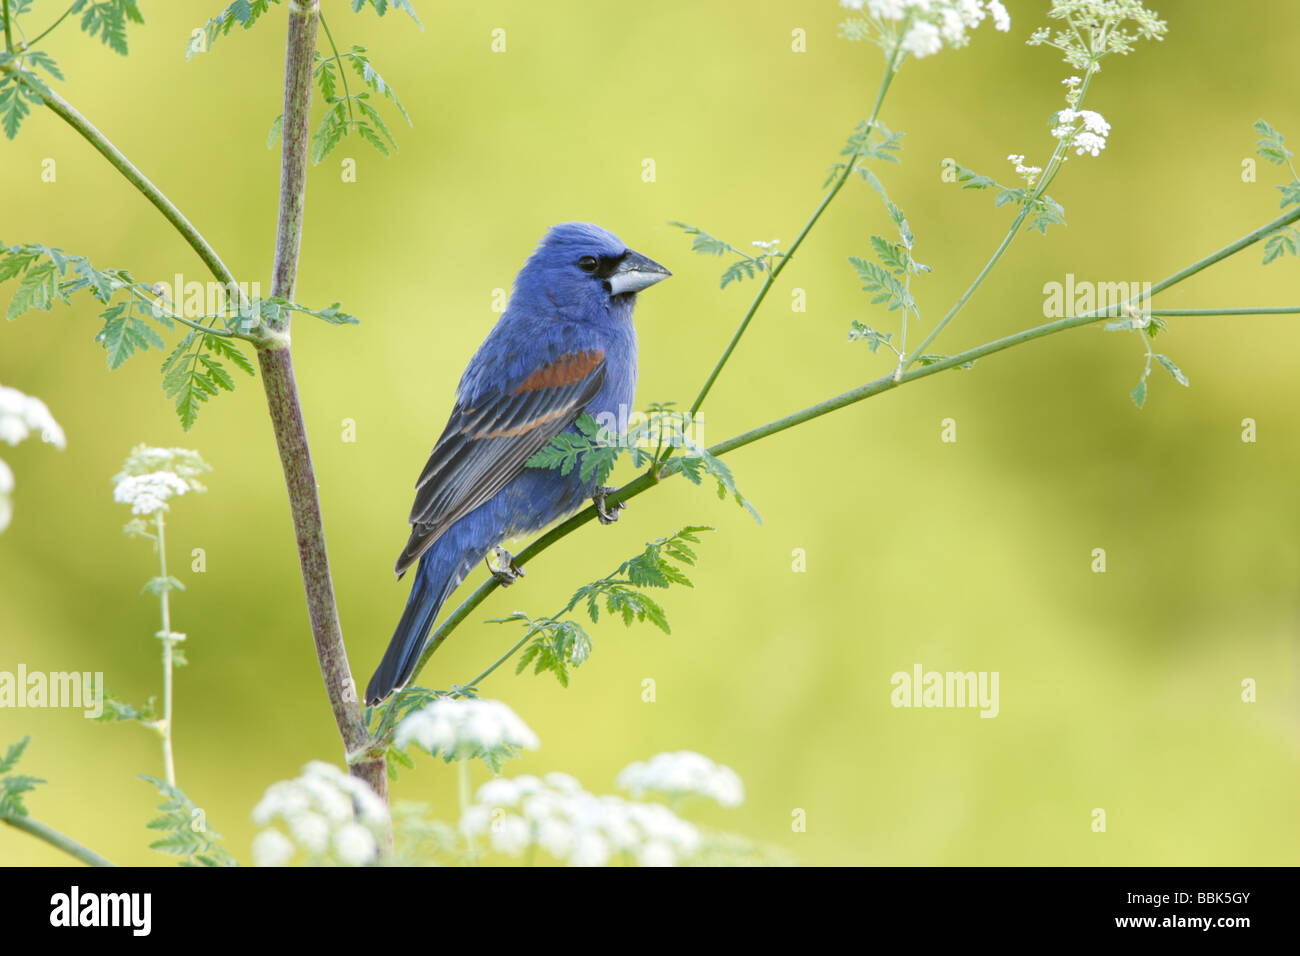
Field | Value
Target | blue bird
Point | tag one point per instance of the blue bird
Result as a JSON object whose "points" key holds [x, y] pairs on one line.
{"points": [[564, 346]]}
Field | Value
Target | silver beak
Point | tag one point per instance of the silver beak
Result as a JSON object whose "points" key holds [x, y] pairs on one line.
{"points": [[634, 273]]}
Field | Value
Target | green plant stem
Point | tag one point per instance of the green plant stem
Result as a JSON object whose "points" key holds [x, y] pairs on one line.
{"points": [[56, 839], [9, 33], [343, 74], [286, 410], [65, 111], [169, 765], [775, 269], [1053, 167], [650, 479], [50, 29], [1281, 310]]}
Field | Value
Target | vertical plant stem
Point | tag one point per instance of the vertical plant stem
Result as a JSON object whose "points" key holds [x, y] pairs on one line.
{"points": [[9, 31], [286, 410], [164, 601]]}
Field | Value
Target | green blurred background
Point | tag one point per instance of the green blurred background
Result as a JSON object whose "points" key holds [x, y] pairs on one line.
{"points": [[1118, 690]]}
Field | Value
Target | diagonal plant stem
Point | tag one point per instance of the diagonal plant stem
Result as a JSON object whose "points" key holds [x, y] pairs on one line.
{"points": [[50, 29], [286, 410], [776, 268], [651, 478], [56, 839], [1053, 167]]}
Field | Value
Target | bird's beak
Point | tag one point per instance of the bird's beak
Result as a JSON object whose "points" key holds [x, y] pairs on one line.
{"points": [[634, 273]]}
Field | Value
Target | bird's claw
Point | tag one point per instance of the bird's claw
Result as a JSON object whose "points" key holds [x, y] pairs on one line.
{"points": [[605, 515], [508, 571]]}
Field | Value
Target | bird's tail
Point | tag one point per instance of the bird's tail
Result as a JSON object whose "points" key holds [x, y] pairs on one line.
{"points": [[441, 569]]}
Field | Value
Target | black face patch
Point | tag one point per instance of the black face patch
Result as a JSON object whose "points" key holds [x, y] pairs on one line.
{"points": [[602, 267]]}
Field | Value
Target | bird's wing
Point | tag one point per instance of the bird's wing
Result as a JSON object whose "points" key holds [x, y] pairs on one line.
{"points": [[484, 447]]}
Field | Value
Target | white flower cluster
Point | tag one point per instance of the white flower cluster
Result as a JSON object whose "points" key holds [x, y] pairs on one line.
{"points": [[931, 24], [20, 415], [465, 728], [683, 774], [153, 476], [1083, 130], [556, 815], [328, 815], [1029, 174]]}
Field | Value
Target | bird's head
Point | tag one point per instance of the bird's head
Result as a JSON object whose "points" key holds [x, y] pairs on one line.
{"points": [[578, 266]]}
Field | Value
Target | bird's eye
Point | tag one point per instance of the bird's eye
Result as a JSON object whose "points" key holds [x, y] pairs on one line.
{"points": [[588, 263]]}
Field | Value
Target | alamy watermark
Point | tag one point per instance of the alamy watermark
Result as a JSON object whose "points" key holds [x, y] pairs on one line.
{"points": [[83, 690], [946, 689]]}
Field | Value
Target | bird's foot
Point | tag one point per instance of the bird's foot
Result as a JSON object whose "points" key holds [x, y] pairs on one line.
{"points": [[507, 571], [605, 515]]}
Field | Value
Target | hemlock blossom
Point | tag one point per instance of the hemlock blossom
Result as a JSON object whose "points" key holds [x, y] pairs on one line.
{"points": [[153, 476], [1084, 131], [921, 27], [324, 814], [20, 416], [683, 774], [556, 815], [464, 729]]}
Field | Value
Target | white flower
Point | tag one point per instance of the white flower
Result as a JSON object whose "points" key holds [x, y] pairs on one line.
{"points": [[932, 24], [355, 845], [151, 477], [1089, 143], [1030, 174], [574, 826], [1001, 19], [465, 728], [310, 830], [272, 848], [592, 850], [499, 793], [333, 817], [20, 415], [148, 494], [1094, 122], [1083, 130], [510, 835], [682, 774], [922, 39], [656, 854]]}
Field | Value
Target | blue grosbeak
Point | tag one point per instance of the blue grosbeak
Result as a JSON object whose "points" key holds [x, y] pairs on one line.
{"points": [[564, 346]]}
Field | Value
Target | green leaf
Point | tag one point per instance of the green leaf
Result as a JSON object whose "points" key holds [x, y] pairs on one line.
{"points": [[273, 135], [1173, 369], [382, 6], [189, 836], [858, 332], [36, 290], [13, 786], [1283, 242], [108, 19], [245, 13], [1270, 144], [1139, 393]]}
